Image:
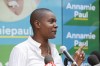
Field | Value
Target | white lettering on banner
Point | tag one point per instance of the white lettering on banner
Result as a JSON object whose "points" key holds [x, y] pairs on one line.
{"points": [[78, 13], [80, 7], [81, 15], [79, 43], [81, 36], [5, 31]]}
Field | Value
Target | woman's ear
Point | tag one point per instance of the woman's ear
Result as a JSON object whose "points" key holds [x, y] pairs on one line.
{"points": [[37, 24]]}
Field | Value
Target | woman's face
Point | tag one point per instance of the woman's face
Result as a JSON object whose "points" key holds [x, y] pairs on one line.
{"points": [[48, 26]]}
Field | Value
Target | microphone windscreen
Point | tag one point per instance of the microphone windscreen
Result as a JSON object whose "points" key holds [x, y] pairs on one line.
{"points": [[62, 49], [97, 53], [48, 59], [93, 60]]}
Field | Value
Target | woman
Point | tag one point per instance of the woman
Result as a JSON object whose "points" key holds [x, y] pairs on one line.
{"points": [[33, 51]]}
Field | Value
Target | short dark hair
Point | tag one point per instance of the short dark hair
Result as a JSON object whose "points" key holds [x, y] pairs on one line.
{"points": [[37, 15]]}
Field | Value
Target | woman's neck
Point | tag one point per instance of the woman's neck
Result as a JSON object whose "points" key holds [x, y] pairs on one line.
{"points": [[45, 48]]}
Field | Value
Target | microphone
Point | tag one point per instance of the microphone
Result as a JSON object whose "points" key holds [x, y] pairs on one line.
{"points": [[97, 53], [65, 52], [93, 60], [49, 61]]}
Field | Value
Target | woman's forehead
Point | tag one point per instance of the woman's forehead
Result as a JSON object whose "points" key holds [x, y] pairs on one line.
{"points": [[48, 15]]}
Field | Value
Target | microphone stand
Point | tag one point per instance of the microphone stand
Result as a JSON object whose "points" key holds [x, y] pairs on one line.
{"points": [[66, 61]]}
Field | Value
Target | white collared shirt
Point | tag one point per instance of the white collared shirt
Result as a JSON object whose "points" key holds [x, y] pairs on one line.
{"points": [[28, 53]]}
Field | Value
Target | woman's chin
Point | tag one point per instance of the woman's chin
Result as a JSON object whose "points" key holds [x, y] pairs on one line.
{"points": [[52, 37]]}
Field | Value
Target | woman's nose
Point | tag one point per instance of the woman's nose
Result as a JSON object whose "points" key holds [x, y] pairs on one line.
{"points": [[55, 25]]}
